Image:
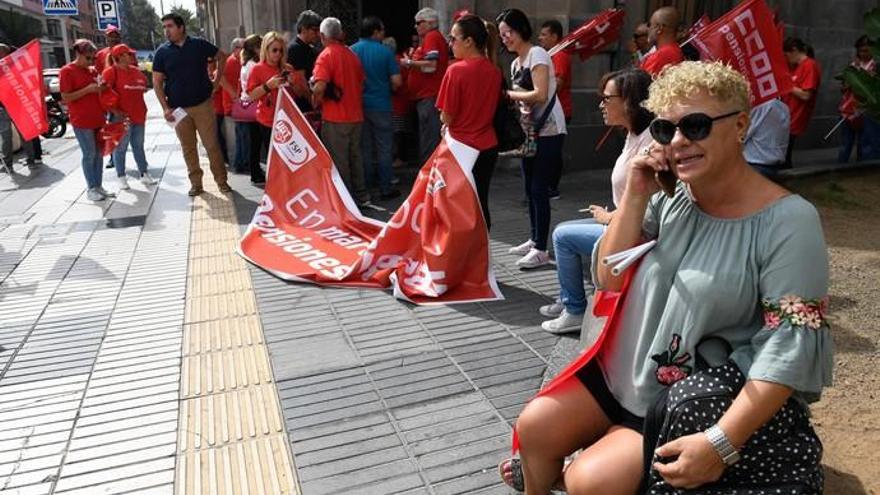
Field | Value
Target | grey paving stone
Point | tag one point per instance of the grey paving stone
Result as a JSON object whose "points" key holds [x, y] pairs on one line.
{"points": [[358, 462], [306, 458], [308, 438], [395, 472]]}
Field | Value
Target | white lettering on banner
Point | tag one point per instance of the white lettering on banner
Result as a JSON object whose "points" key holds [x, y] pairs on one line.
{"points": [[758, 63], [290, 144], [302, 250], [21, 81]]}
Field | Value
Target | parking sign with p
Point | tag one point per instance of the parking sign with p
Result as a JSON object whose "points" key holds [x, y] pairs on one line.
{"points": [[107, 13]]}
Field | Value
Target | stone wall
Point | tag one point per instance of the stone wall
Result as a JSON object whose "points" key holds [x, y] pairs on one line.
{"points": [[831, 27]]}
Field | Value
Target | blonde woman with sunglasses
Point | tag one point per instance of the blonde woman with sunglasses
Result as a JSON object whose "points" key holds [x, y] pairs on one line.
{"points": [[264, 80], [733, 294]]}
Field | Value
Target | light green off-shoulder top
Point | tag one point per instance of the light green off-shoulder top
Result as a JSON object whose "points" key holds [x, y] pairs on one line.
{"points": [[757, 282]]}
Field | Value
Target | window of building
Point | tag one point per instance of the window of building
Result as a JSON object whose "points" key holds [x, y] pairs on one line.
{"points": [[53, 28]]}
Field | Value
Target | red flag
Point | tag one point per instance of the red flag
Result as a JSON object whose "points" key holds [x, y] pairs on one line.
{"points": [[434, 249], [22, 92], [700, 24], [594, 35], [748, 40], [110, 135]]}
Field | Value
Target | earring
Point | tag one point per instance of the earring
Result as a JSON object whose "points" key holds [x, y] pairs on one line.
{"points": [[741, 139]]}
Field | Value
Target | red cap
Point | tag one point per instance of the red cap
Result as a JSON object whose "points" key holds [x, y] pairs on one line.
{"points": [[111, 29], [120, 49]]}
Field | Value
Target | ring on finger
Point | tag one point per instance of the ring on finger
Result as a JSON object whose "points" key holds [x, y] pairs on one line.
{"points": [[646, 150]]}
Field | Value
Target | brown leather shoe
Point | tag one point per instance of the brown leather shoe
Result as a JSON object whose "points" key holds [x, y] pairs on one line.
{"points": [[224, 188], [195, 190]]}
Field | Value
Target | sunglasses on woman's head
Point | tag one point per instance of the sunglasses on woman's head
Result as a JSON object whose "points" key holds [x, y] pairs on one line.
{"points": [[695, 127]]}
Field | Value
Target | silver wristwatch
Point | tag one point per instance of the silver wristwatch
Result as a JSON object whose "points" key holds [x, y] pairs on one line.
{"points": [[729, 454]]}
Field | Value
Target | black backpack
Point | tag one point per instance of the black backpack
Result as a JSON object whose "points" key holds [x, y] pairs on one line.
{"points": [[507, 122]]}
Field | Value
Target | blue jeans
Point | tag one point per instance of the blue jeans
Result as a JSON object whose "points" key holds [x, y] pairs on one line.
{"points": [[242, 146], [537, 172], [92, 167], [377, 136], [135, 137], [571, 241]]}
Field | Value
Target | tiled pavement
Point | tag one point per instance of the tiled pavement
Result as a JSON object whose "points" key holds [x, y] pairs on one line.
{"points": [[135, 345]]}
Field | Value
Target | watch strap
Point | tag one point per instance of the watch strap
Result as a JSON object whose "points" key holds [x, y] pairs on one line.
{"points": [[728, 453]]}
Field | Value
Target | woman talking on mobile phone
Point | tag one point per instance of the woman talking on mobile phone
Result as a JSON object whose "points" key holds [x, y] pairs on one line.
{"points": [[263, 82]]}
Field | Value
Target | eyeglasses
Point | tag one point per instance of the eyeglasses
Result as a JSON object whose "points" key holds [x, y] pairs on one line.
{"points": [[419, 23], [639, 35], [275, 50], [606, 98], [695, 127]]}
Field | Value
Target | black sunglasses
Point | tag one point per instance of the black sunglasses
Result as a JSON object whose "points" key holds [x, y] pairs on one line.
{"points": [[695, 127]]}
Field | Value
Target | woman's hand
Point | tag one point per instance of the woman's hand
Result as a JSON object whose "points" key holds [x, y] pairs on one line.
{"points": [[275, 82], [697, 462], [641, 177], [601, 214]]}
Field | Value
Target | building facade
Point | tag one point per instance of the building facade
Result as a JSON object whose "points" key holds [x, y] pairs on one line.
{"points": [[830, 27], [22, 20]]}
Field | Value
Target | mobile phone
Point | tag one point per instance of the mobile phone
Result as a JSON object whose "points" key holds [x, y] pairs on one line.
{"points": [[285, 73]]}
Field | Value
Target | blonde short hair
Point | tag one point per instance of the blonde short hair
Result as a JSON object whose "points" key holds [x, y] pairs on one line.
{"points": [[268, 39], [685, 80]]}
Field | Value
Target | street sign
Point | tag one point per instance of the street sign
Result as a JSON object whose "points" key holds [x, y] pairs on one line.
{"points": [[107, 13], [60, 7]]}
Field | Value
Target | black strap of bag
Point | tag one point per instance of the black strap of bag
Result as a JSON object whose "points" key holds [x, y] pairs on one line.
{"points": [[545, 115]]}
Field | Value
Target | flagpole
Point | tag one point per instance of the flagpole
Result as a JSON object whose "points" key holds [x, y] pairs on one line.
{"points": [[836, 126], [64, 40]]}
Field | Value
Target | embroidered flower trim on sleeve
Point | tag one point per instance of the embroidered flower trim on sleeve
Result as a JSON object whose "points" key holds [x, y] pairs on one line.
{"points": [[796, 311]]}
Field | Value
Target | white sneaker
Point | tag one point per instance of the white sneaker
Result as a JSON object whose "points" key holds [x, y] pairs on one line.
{"points": [[95, 195], [105, 192], [552, 310], [534, 259], [523, 248], [147, 179], [566, 323], [123, 183]]}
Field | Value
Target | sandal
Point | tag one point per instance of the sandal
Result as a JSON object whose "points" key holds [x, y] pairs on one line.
{"points": [[517, 482]]}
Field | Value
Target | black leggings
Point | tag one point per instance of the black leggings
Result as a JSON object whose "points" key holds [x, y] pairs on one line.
{"points": [[482, 171], [537, 172], [260, 135]]}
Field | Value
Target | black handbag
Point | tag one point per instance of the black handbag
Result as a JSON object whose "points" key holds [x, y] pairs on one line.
{"points": [[507, 123], [783, 456]]}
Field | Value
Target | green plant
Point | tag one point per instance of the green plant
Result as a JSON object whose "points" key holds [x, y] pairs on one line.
{"points": [[866, 86]]}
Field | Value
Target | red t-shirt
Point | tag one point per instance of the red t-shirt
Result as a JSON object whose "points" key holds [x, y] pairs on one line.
{"points": [[130, 84], [85, 112], [427, 84], [401, 103], [101, 59], [466, 95], [260, 74], [232, 74], [806, 76], [339, 65], [562, 67], [665, 55]]}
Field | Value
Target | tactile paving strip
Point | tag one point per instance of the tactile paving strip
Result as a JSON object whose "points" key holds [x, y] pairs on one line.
{"points": [[231, 437]]}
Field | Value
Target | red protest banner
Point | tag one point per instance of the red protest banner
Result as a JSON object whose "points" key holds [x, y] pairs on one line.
{"points": [[698, 25], [747, 38], [594, 35], [434, 249], [22, 92]]}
